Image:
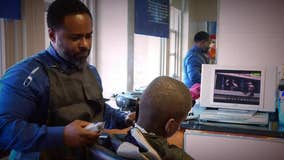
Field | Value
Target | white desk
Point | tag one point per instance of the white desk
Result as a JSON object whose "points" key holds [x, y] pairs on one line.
{"points": [[208, 145]]}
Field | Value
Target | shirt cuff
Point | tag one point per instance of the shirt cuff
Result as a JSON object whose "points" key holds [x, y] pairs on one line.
{"points": [[55, 137]]}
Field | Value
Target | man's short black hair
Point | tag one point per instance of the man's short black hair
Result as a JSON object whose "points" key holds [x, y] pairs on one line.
{"points": [[200, 36], [61, 8]]}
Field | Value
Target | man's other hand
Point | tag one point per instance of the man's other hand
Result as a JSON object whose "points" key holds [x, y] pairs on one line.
{"points": [[195, 91], [130, 118]]}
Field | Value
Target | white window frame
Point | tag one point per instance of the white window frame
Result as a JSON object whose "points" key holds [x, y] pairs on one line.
{"points": [[165, 49], [2, 47]]}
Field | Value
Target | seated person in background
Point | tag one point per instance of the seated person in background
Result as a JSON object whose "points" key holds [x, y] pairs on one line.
{"points": [[164, 104]]}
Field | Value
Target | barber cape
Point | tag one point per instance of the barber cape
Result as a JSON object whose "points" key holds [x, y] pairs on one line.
{"points": [[135, 146]]}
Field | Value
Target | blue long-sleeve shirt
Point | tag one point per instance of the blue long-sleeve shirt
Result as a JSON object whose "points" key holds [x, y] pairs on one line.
{"points": [[192, 66], [24, 108]]}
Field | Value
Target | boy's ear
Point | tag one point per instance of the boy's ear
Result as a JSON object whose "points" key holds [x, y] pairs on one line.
{"points": [[171, 127]]}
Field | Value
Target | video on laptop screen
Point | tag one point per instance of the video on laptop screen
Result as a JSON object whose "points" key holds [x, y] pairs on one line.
{"points": [[237, 86]]}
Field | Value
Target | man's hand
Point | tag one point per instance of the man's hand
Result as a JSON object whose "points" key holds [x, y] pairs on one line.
{"points": [[75, 134], [130, 118], [195, 91]]}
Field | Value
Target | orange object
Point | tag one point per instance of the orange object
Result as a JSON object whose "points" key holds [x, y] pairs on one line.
{"points": [[212, 51], [212, 47]]}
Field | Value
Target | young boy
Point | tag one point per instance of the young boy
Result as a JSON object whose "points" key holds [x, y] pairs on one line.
{"points": [[164, 104]]}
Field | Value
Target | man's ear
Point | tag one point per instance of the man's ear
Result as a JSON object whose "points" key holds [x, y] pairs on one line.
{"points": [[51, 34], [171, 127]]}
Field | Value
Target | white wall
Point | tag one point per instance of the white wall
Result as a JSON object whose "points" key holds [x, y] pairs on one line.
{"points": [[200, 11], [203, 10], [250, 32], [111, 23], [206, 145]]}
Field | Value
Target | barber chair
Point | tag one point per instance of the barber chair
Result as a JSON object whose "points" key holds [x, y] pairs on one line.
{"points": [[108, 145], [102, 153], [104, 149]]}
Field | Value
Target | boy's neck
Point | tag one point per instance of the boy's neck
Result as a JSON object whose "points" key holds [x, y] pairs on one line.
{"points": [[151, 128]]}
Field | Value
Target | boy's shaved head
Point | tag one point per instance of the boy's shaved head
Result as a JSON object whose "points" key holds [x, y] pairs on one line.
{"points": [[163, 99]]}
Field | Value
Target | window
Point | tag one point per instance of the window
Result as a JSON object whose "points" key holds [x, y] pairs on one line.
{"points": [[175, 57], [154, 56], [147, 51]]}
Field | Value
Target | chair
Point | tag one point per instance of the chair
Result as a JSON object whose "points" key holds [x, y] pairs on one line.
{"points": [[102, 153], [111, 147], [104, 149]]}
